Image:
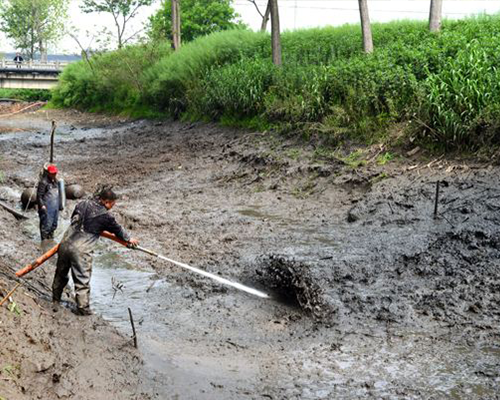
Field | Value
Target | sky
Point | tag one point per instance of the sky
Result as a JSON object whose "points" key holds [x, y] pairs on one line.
{"points": [[294, 14]]}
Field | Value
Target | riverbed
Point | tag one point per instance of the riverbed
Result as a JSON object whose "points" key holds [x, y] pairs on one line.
{"points": [[370, 294]]}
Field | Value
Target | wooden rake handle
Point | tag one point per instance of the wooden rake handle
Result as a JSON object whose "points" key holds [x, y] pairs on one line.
{"points": [[44, 257]]}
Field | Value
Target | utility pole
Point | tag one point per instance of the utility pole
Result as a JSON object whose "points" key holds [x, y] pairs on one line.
{"points": [[176, 25], [435, 15], [275, 33], [365, 26]]}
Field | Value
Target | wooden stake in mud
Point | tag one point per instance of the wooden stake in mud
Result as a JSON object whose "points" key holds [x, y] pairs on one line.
{"points": [[10, 293], [436, 201], [133, 327], [15, 213], [52, 134]]}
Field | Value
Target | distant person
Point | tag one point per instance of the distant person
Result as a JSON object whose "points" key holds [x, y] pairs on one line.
{"points": [[89, 219], [18, 59], [48, 200]]}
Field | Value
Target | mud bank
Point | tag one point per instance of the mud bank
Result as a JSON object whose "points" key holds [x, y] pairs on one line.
{"points": [[371, 296], [395, 262], [54, 355]]}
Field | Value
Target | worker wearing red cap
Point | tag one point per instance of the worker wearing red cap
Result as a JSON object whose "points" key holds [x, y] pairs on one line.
{"points": [[48, 202]]}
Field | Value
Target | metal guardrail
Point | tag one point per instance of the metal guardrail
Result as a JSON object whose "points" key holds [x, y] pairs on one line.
{"points": [[49, 65]]}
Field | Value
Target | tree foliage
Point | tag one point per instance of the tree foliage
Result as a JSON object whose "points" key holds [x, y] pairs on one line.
{"points": [[198, 18], [33, 24], [121, 10]]}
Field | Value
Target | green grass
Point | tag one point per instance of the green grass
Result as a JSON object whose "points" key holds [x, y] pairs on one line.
{"points": [[379, 178], [294, 154], [325, 153], [383, 159], [354, 159], [444, 86]]}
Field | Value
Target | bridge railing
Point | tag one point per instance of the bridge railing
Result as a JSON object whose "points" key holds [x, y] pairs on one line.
{"points": [[49, 65]]}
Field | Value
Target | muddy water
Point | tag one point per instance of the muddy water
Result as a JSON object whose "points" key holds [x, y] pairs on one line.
{"points": [[355, 365], [171, 367], [376, 363], [374, 299]]}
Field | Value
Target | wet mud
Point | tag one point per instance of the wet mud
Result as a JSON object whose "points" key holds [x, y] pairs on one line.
{"points": [[371, 295]]}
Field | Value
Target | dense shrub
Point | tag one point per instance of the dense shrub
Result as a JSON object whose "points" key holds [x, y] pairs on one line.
{"points": [[462, 97], [235, 89], [79, 87], [173, 77], [110, 81], [26, 94], [446, 82]]}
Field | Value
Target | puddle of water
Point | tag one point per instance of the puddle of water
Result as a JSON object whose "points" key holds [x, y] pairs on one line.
{"points": [[115, 289], [169, 368], [31, 227]]}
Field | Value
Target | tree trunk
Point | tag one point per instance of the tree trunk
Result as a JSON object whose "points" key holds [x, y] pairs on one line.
{"points": [[265, 18], [435, 15], [275, 32], [43, 52], [32, 34], [32, 46], [365, 26], [176, 25], [119, 36]]}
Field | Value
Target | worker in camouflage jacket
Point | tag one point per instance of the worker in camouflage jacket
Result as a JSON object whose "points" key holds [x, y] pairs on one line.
{"points": [[49, 203], [89, 219]]}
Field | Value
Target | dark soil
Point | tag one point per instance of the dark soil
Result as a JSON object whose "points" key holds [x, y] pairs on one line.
{"points": [[372, 296]]}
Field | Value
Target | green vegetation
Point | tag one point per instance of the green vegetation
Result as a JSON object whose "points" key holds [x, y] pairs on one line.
{"points": [[443, 87], [294, 154], [12, 371], [112, 82], [33, 25], [26, 94], [379, 178], [14, 308], [383, 159], [122, 12], [355, 159]]}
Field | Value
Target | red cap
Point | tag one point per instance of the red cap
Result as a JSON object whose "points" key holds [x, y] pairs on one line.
{"points": [[52, 169]]}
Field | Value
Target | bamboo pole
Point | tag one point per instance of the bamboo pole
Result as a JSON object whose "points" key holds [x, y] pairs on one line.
{"points": [[10, 293], [52, 134], [133, 327]]}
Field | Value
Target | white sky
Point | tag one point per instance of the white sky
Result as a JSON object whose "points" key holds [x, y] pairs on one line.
{"points": [[294, 14]]}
